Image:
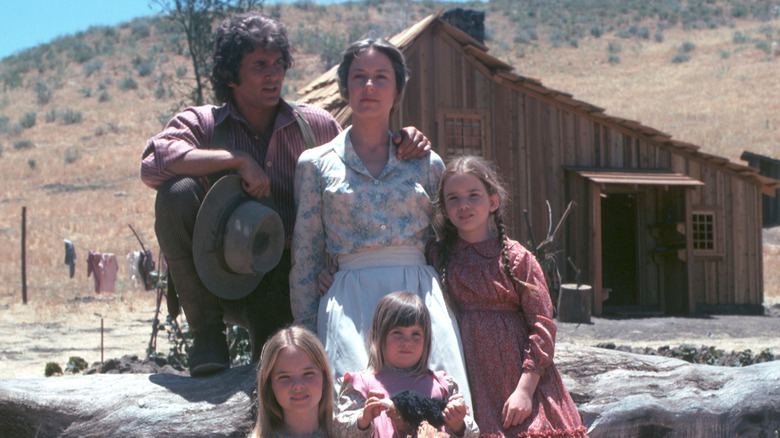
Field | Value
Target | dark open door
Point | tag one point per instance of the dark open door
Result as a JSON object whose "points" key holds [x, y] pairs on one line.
{"points": [[619, 251]]}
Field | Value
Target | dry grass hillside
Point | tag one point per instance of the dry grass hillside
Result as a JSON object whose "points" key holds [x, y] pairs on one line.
{"points": [[75, 114]]}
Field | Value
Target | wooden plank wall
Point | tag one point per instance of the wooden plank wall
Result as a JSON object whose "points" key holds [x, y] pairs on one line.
{"points": [[532, 137]]}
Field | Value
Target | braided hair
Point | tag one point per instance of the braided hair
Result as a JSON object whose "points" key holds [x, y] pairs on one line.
{"points": [[448, 234]]}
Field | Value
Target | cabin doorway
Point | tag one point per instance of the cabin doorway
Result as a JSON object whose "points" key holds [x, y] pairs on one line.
{"points": [[619, 255]]}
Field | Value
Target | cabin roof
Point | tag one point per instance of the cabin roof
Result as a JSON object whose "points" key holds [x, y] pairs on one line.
{"points": [[323, 92]]}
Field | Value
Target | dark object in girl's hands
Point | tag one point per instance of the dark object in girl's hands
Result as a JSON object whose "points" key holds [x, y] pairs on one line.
{"points": [[414, 408]]}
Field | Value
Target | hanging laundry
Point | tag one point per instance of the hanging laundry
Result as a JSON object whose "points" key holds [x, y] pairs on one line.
{"points": [[70, 256], [105, 268], [134, 273], [145, 268]]}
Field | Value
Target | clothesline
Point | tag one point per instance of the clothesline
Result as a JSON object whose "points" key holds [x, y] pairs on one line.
{"points": [[104, 267]]}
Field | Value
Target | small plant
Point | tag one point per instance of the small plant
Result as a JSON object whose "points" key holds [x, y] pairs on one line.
{"points": [[50, 116], [596, 31], [42, 93], [70, 117], [659, 37], [86, 91], [52, 369], [76, 365], [92, 66], [31, 163], [680, 58], [613, 60], [23, 144], [740, 38], [104, 96], [181, 71], [140, 30], [72, 154], [27, 120], [127, 83], [614, 47], [81, 52], [687, 47], [4, 124]]}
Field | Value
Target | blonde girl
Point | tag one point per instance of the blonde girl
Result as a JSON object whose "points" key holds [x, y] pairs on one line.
{"points": [[399, 346], [294, 387]]}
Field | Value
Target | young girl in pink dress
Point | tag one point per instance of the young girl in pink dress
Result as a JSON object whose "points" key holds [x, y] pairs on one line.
{"points": [[399, 346], [504, 310]]}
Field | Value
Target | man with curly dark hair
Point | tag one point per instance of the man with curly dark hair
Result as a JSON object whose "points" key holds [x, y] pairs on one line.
{"points": [[257, 135]]}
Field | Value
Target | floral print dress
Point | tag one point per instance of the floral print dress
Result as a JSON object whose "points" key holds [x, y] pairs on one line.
{"points": [[507, 331], [375, 229]]}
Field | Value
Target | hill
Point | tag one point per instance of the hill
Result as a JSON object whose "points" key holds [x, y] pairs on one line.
{"points": [[75, 113]]}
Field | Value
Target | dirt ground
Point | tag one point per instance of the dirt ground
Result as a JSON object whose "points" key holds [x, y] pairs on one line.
{"points": [[26, 347], [39, 332]]}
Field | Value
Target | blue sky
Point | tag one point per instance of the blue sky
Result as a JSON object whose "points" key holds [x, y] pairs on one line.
{"points": [[28, 23]]}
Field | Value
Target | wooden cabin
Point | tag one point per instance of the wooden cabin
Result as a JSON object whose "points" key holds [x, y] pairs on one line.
{"points": [[770, 167], [659, 226]]}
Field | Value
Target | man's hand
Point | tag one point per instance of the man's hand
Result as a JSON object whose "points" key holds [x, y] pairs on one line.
{"points": [[411, 143], [254, 180]]}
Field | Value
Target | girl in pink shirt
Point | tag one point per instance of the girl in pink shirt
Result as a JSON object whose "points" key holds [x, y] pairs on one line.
{"points": [[399, 345]]}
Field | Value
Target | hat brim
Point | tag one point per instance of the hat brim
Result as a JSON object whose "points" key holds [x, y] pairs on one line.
{"points": [[223, 197]]}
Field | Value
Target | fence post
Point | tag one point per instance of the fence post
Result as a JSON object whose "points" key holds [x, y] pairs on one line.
{"points": [[24, 257]]}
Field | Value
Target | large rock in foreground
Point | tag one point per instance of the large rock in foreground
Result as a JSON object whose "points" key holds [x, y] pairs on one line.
{"points": [[618, 394], [628, 395]]}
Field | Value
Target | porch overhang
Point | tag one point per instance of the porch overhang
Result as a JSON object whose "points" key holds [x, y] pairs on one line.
{"points": [[635, 177]]}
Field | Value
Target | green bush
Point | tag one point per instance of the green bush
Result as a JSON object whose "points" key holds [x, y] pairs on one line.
{"points": [[740, 38], [51, 116], [23, 144], [51, 368], [104, 96], [596, 31], [70, 117], [687, 47], [11, 79], [85, 91], [181, 71], [738, 10], [72, 154], [75, 364], [613, 60], [680, 58], [81, 52], [140, 30], [127, 83], [145, 68], [42, 93], [92, 67], [765, 46], [614, 47], [4, 124], [659, 37], [27, 120]]}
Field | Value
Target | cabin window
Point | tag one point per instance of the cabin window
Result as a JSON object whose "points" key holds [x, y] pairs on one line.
{"points": [[465, 132], [704, 227]]}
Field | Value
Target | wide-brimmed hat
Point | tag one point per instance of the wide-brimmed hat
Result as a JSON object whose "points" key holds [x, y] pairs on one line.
{"points": [[237, 239]]}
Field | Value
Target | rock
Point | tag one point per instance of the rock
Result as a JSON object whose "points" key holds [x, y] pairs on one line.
{"points": [[129, 405], [619, 394], [623, 394]]}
